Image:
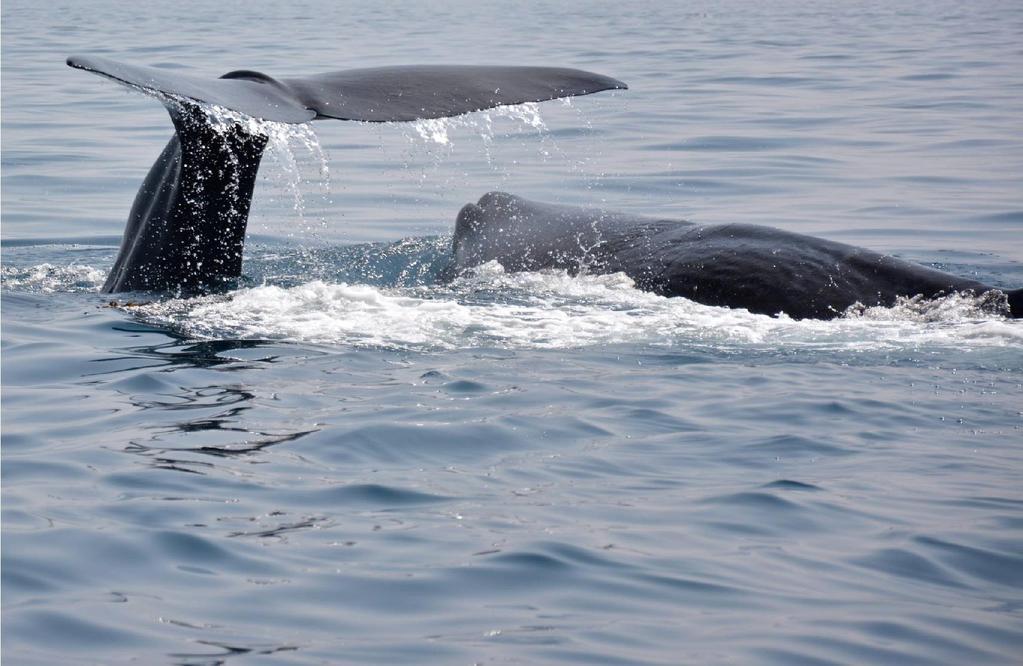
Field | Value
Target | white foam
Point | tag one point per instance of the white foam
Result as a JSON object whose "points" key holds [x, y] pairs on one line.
{"points": [[546, 310], [47, 278]]}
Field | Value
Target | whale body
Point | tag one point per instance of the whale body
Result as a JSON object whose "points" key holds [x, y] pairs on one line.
{"points": [[186, 229], [761, 269]]}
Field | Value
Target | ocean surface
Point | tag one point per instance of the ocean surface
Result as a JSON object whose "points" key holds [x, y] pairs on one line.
{"points": [[348, 461]]}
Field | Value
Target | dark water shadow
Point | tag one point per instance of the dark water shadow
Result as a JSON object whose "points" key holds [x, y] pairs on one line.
{"points": [[228, 651], [184, 352]]}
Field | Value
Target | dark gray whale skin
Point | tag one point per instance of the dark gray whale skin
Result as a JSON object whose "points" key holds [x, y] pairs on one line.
{"points": [[186, 229], [762, 269]]}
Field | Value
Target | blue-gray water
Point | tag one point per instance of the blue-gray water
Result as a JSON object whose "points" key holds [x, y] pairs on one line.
{"points": [[345, 462]]}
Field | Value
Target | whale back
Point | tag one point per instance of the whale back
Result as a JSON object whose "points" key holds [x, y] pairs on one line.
{"points": [[762, 269], [524, 235]]}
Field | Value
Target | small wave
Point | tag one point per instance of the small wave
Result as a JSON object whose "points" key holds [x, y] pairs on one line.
{"points": [[553, 310]]}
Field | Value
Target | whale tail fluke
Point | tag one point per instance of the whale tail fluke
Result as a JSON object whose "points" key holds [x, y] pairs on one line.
{"points": [[373, 94], [187, 226]]}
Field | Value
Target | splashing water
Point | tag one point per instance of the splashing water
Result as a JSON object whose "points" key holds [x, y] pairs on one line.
{"points": [[406, 309], [47, 278], [289, 175], [489, 131], [281, 138], [436, 130], [553, 310]]}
